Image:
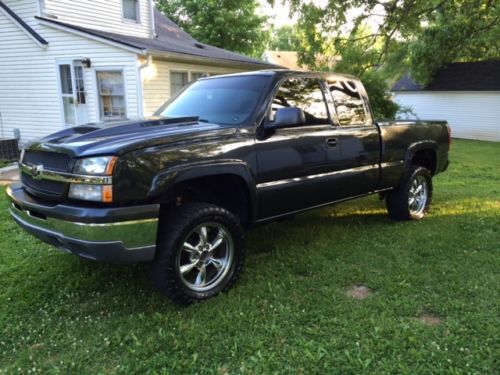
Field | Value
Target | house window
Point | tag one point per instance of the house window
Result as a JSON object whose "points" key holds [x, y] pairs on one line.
{"points": [[196, 75], [111, 95], [131, 10], [80, 85], [177, 81]]}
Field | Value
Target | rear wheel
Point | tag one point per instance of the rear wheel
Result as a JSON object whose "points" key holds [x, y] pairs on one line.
{"points": [[200, 252], [412, 199]]}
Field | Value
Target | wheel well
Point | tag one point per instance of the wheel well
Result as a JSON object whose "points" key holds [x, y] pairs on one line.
{"points": [[227, 191], [425, 158]]}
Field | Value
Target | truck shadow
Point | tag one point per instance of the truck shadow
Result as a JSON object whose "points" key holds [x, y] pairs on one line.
{"points": [[126, 289]]}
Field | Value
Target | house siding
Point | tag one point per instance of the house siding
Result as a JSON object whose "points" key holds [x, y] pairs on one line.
{"points": [[470, 114], [25, 9], [156, 80], [103, 15], [29, 95]]}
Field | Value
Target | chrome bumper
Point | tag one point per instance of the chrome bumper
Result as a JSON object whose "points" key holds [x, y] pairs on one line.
{"points": [[123, 241]]}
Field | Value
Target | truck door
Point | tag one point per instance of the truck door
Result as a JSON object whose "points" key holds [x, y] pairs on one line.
{"points": [[357, 137], [292, 161]]}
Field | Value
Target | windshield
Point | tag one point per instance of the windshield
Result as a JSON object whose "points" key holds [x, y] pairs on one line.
{"points": [[224, 100]]}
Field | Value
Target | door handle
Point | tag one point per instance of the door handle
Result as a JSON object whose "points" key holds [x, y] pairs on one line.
{"points": [[331, 142]]}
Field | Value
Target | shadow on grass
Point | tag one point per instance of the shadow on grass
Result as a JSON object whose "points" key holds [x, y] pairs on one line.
{"points": [[126, 289]]}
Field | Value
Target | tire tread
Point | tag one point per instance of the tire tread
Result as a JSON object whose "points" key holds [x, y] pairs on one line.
{"points": [[170, 231], [397, 199]]}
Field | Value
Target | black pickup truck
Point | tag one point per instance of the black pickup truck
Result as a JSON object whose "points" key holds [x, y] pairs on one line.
{"points": [[226, 153]]}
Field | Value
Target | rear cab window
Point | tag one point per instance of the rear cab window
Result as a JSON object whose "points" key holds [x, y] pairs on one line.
{"points": [[348, 101]]}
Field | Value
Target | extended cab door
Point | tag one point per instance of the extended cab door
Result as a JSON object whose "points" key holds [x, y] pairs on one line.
{"points": [[317, 163], [358, 138]]}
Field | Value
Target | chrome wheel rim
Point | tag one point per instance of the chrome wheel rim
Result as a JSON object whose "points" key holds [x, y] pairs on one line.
{"points": [[417, 196], [205, 257]]}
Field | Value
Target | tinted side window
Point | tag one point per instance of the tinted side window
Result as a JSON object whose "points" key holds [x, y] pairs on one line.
{"points": [[303, 93], [348, 102]]}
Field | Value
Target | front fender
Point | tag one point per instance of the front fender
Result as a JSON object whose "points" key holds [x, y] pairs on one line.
{"points": [[166, 179]]}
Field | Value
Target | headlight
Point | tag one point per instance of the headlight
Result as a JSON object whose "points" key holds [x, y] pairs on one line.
{"points": [[101, 165], [96, 166], [96, 193]]}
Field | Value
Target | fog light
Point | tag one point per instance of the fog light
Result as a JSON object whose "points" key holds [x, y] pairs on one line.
{"points": [[95, 193]]}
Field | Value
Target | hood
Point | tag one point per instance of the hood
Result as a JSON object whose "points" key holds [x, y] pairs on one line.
{"points": [[118, 138]]}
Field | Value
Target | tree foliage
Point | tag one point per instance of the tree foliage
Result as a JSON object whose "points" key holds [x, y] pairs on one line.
{"points": [[230, 24], [379, 40], [285, 38]]}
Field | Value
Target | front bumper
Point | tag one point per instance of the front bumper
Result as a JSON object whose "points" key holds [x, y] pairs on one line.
{"points": [[115, 234]]}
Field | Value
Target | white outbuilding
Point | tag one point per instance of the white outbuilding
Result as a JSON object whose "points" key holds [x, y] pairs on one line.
{"points": [[467, 95]]}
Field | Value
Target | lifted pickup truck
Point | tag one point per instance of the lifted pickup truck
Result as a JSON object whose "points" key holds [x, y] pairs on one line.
{"points": [[226, 153]]}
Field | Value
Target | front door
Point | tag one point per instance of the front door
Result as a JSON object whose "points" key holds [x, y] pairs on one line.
{"points": [[73, 95], [292, 162]]}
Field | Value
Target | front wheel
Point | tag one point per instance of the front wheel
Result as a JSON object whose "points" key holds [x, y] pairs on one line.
{"points": [[200, 253], [412, 199]]}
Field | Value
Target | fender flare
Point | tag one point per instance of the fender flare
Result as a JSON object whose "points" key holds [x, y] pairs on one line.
{"points": [[418, 146], [168, 178]]}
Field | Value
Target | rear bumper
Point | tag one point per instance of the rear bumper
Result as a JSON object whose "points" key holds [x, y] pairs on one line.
{"points": [[116, 235]]}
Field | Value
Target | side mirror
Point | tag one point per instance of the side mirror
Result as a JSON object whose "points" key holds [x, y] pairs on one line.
{"points": [[287, 118]]}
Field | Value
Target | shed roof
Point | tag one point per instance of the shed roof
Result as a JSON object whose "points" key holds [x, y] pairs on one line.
{"points": [[169, 38], [466, 76]]}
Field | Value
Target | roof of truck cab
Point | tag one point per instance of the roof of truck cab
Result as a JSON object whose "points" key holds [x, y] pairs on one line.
{"points": [[288, 72]]}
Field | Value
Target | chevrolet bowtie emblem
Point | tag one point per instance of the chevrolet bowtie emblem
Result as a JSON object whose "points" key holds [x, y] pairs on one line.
{"points": [[36, 170]]}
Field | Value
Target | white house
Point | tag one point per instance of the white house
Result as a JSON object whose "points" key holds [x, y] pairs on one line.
{"points": [[66, 62], [467, 95]]}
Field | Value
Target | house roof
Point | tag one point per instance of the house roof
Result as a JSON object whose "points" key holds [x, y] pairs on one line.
{"points": [[467, 76], [169, 38], [23, 24]]}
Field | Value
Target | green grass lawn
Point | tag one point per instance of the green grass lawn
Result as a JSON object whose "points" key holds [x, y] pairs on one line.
{"points": [[289, 313]]}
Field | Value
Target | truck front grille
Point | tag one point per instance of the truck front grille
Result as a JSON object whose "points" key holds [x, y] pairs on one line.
{"points": [[46, 187], [53, 161]]}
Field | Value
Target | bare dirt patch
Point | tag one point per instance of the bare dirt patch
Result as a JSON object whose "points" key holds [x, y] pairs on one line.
{"points": [[359, 292], [429, 319]]}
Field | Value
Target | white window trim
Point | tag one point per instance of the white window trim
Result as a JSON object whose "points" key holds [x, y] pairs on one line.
{"points": [[138, 21], [120, 69]]}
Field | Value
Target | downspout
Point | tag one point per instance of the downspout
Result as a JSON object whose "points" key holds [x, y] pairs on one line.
{"points": [[152, 15], [140, 88], [41, 8]]}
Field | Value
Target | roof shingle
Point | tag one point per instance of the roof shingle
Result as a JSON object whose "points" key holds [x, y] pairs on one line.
{"points": [[169, 38], [466, 76]]}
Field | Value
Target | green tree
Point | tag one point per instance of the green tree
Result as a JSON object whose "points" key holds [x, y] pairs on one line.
{"points": [[420, 35], [379, 40], [285, 38], [230, 24]]}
